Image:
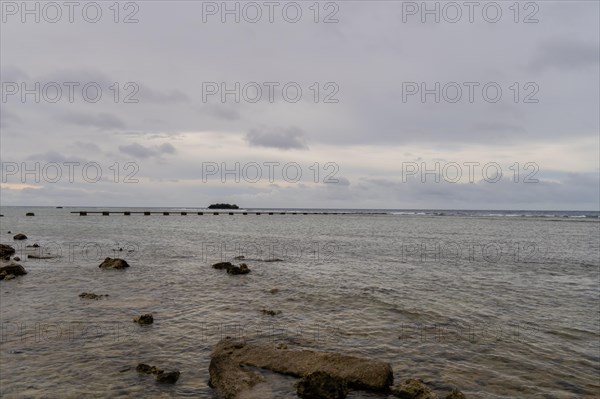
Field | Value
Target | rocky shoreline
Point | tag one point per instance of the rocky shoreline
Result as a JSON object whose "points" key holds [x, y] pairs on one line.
{"points": [[235, 365]]}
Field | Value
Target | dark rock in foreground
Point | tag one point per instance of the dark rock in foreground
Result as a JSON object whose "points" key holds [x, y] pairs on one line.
{"points": [[30, 214], [114, 263], [320, 385], [10, 270], [144, 319], [20, 236], [231, 268], [230, 379], [413, 388], [6, 251], [90, 295], [170, 377]]}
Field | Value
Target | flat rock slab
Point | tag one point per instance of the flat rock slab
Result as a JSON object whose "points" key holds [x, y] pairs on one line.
{"points": [[230, 379]]}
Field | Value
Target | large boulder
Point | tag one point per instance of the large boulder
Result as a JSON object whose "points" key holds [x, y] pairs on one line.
{"points": [[320, 385], [6, 251], [20, 236], [230, 379], [413, 388], [9, 270], [114, 263]]}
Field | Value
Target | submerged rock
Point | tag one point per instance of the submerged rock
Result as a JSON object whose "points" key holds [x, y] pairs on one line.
{"points": [[456, 394], [229, 378], [145, 368], [90, 295], [16, 258], [20, 236], [114, 263], [320, 385], [169, 377], [413, 388], [10, 270], [6, 251], [144, 319], [271, 312]]}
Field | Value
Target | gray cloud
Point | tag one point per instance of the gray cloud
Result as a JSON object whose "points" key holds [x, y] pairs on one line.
{"points": [[566, 54], [139, 151], [283, 139], [102, 120]]}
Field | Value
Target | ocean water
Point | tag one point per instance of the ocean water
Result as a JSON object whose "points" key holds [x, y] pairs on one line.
{"points": [[498, 304]]}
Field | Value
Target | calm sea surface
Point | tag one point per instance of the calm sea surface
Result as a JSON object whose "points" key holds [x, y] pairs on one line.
{"points": [[499, 304]]}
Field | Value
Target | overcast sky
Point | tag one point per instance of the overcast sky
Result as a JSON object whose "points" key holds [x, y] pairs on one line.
{"points": [[360, 120]]}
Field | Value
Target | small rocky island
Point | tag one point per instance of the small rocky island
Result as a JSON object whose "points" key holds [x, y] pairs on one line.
{"points": [[223, 206]]}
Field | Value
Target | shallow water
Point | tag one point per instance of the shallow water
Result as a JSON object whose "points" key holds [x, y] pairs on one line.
{"points": [[501, 307]]}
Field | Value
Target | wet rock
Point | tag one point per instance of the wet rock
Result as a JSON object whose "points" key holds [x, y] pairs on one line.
{"points": [[16, 259], [231, 268], [11, 269], [241, 257], [114, 263], [456, 394], [36, 245], [30, 214], [170, 377], [413, 388], [273, 260], [144, 319], [90, 295], [320, 385], [282, 346], [222, 265], [230, 378], [20, 236], [241, 269], [271, 312], [6, 251], [227, 377], [124, 369], [274, 290]]}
